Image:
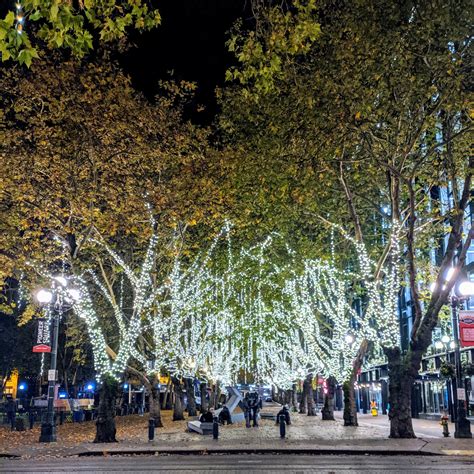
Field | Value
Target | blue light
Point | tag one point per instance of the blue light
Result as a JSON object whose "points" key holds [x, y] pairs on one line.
{"points": [[125, 385], [90, 387], [62, 395], [22, 386]]}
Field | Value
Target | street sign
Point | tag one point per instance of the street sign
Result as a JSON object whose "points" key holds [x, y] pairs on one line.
{"points": [[52, 375], [461, 394], [43, 336], [466, 328]]}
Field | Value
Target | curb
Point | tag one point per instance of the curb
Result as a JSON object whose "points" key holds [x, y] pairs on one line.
{"points": [[211, 451]]}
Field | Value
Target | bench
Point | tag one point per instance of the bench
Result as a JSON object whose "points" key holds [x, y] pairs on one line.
{"points": [[200, 427]]}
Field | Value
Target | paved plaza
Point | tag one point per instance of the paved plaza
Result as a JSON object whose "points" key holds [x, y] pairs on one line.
{"points": [[305, 435]]}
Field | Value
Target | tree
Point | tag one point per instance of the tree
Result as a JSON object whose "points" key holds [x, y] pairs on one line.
{"points": [[80, 165], [70, 25], [387, 145]]}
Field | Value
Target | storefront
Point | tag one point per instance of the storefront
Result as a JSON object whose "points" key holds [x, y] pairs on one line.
{"points": [[372, 389]]}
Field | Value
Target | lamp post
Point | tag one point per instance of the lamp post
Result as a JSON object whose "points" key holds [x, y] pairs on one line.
{"points": [[56, 297], [460, 292], [462, 424]]}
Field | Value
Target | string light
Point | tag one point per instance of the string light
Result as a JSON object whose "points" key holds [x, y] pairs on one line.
{"points": [[20, 18], [233, 312]]}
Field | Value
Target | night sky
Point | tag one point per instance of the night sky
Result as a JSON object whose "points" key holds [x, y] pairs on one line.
{"points": [[189, 44]]}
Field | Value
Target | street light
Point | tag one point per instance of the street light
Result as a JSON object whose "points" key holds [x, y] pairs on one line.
{"points": [[464, 291], [44, 296], [57, 297]]}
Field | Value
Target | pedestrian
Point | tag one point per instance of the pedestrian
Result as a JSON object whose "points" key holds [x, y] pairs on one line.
{"points": [[286, 413], [11, 412], [224, 416], [207, 417], [246, 410], [254, 404]]}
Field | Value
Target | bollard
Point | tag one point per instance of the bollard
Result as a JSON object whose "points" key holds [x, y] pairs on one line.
{"points": [[151, 429], [61, 417], [282, 426], [215, 428]]}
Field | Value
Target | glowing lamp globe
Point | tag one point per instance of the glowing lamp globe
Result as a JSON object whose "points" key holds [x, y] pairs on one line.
{"points": [[44, 296], [438, 345], [466, 288], [445, 339]]}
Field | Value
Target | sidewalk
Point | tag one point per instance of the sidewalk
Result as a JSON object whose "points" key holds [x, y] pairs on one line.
{"points": [[308, 435]]}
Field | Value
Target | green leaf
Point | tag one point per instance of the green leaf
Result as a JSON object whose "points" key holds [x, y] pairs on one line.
{"points": [[10, 18], [35, 16], [54, 11]]}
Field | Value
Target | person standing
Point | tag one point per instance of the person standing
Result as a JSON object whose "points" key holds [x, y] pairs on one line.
{"points": [[11, 412]]}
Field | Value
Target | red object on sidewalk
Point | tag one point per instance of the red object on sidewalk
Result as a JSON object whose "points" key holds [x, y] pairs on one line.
{"points": [[466, 328]]}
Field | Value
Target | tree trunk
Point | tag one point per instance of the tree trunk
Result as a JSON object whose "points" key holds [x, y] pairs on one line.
{"points": [[105, 424], [328, 409], [155, 409], [217, 395], [294, 399], [203, 390], [401, 379], [212, 396], [65, 381], [178, 407], [166, 398], [350, 411], [310, 396], [189, 385], [303, 400], [153, 394]]}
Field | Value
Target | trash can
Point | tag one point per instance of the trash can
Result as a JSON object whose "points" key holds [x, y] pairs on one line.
{"points": [[78, 416], [20, 423]]}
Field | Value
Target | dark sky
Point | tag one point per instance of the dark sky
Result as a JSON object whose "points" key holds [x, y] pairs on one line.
{"points": [[191, 43]]}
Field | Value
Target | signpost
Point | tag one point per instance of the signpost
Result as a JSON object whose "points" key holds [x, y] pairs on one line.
{"points": [[461, 394]]}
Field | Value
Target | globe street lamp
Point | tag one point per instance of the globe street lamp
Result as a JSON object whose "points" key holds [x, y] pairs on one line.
{"points": [[462, 424], [464, 290], [57, 297]]}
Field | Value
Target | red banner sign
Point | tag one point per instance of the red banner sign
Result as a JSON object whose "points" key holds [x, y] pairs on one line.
{"points": [[466, 328]]}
